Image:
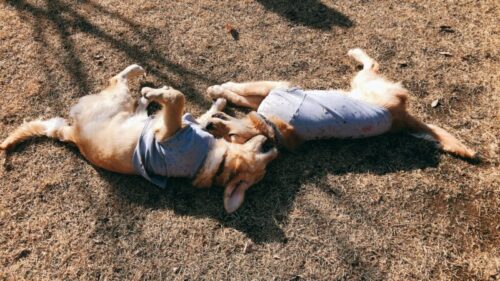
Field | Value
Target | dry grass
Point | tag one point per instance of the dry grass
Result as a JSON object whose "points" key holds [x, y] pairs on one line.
{"points": [[387, 208]]}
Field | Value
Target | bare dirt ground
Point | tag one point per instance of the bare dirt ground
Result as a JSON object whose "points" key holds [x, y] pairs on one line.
{"points": [[386, 208]]}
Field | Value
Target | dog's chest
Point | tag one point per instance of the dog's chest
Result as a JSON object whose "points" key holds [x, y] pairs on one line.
{"points": [[182, 155], [326, 114]]}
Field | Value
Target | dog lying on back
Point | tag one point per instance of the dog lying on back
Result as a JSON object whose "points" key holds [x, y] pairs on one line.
{"points": [[114, 133], [290, 116]]}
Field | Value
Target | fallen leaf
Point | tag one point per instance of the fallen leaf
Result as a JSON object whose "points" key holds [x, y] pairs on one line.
{"points": [[446, 29], [231, 30], [248, 247]]}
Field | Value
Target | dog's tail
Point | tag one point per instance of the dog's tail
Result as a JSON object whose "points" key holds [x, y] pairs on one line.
{"points": [[54, 128], [445, 140]]}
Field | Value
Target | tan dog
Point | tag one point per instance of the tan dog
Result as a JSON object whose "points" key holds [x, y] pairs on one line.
{"points": [[106, 128], [382, 104]]}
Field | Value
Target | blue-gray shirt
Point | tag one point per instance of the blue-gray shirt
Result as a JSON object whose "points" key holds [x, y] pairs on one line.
{"points": [[179, 156], [318, 114]]}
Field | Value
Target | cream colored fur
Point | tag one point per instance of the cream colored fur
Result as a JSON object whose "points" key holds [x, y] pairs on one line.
{"points": [[106, 127], [368, 85]]}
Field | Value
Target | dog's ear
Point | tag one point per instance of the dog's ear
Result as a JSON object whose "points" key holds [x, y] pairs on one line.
{"points": [[234, 194]]}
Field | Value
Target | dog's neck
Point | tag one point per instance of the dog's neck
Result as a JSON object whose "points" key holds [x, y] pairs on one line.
{"points": [[271, 131], [280, 132], [212, 164]]}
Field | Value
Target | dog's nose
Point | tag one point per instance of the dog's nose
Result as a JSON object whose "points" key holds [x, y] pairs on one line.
{"points": [[210, 126]]}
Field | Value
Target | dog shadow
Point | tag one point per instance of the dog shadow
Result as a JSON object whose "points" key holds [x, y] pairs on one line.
{"points": [[310, 13], [268, 203]]}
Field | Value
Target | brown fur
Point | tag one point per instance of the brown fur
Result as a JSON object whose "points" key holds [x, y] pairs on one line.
{"points": [[368, 85], [106, 127]]}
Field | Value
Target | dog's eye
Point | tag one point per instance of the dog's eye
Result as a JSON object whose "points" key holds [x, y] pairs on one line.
{"points": [[220, 116]]}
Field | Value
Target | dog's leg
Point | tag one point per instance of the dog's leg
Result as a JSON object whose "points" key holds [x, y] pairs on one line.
{"points": [[172, 102], [130, 72], [249, 94], [142, 105], [218, 91], [371, 87], [216, 107], [360, 56], [254, 88], [446, 142]]}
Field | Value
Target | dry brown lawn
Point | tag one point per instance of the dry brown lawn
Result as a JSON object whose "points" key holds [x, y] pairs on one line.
{"points": [[386, 208]]}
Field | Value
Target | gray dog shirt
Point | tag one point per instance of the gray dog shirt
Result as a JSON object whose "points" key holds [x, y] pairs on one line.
{"points": [[318, 114], [179, 156]]}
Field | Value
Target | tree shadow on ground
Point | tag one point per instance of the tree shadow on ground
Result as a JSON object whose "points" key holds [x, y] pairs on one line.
{"points": [[310, 13], [268, 203], [66, 20]]}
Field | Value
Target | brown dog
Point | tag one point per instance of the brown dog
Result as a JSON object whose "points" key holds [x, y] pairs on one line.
{"points": [[290, 116], [109, 130]]}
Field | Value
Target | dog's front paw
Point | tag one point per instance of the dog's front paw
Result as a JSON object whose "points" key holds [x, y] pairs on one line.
{"points": [[219, 104], [155, 94], [148, 92], [215, 91], [165, 94]]}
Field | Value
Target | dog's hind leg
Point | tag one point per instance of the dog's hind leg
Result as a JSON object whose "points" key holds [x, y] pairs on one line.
{"points": [[371, 87], [130, 72], [172, 102], [363, 58], [446, 142]]}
